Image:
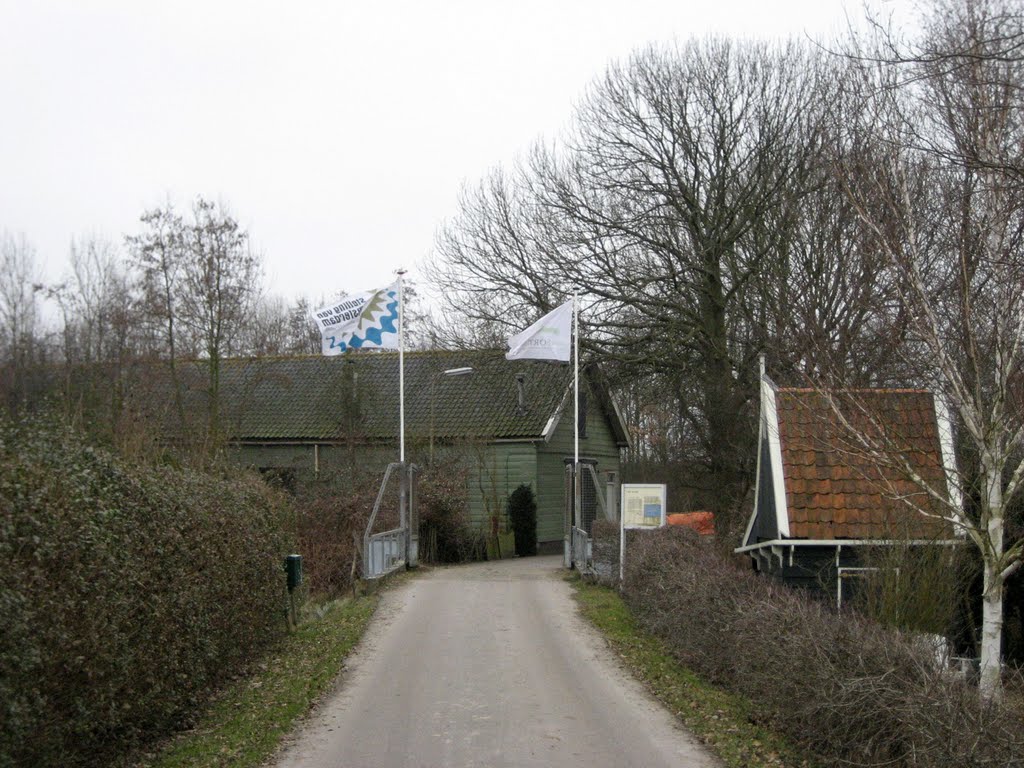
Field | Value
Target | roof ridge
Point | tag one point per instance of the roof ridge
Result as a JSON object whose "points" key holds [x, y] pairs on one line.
{"points": [[860, 390], [354, 353]]}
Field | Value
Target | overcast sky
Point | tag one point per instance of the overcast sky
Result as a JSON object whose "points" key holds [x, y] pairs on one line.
{"points": [[339, 133]]}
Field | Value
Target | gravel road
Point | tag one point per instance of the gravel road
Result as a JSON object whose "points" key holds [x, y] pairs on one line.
{"points": [[488, 665]]}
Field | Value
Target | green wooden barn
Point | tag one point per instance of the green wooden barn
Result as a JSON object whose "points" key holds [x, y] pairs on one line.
{"points": [[310, 419]]}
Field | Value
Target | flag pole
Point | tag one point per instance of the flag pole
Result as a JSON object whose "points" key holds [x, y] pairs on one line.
{"points": [[576, 374], [401, 365], [576, 398]]}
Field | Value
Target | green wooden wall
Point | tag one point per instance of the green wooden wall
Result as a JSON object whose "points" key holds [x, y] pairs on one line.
{"points": [[599, 444], [495, 469]]}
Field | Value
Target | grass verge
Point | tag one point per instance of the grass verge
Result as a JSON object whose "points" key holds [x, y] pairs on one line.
{"points": [[719, 719], [247, 722]]}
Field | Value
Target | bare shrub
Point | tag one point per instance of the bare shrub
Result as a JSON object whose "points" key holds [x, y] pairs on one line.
{"points": [[329, 521], [445, 534], [913, 588], [605, 537], [850, 690]]}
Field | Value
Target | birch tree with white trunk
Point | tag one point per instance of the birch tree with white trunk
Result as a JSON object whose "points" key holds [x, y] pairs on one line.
{"points": [[946, 209]]}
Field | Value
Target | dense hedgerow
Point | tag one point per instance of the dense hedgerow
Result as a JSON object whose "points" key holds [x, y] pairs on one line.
{"points": [[848, 689], [126, 594]]}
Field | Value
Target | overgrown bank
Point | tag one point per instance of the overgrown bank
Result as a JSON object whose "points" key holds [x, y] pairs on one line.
{"points": [[846, 689], [128, 594], [721, 720], [248, 721]]}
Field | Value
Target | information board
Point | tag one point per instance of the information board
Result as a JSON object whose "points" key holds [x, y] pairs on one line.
{"points": [[643, 505]]}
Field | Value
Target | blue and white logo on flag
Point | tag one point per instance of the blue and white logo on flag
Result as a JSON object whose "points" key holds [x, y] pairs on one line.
{"points": [[360, 321]]}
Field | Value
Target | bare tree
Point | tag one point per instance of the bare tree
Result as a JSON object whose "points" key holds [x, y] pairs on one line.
{"points": [[19, 311], [676, 193], [275, 327], [947, 213], [159, 253], [220, 282], [304, 336], [267, 330], [96, 300], [99, 333], [201, 281], [18, 303], [831, 298]]}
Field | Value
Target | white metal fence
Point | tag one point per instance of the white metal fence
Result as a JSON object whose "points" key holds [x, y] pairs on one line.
{"points": [[582, 550], [387, 551], [384, 552]]}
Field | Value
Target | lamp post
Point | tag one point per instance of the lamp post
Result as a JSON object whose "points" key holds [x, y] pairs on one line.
{"points": [[433, 387]]}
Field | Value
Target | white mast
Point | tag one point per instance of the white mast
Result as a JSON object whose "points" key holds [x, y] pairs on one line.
{"points": [[577, 486], [401, 365], [576, 374]]}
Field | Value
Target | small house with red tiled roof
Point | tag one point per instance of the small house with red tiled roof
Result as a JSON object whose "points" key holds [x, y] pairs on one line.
{"points": [[826, 493]]}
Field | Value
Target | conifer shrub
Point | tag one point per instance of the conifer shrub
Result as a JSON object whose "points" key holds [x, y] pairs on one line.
{"points": [[522, 514], [127, 594]]}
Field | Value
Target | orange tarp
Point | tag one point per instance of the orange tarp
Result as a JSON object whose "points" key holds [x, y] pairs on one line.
{"points": [[702, 522]]}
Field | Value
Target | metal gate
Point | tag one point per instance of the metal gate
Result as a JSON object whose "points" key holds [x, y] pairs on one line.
{"points": [[579, 523], [386, 551]]}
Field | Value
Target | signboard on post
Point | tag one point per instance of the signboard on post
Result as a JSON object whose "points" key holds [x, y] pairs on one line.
{"points": [[643, 506]]}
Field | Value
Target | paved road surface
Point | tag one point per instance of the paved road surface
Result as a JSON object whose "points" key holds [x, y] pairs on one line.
{"points": [[488, 665]]}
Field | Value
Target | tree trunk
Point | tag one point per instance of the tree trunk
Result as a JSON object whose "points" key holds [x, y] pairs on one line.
{"points": [[719, 387], [990, 682]]}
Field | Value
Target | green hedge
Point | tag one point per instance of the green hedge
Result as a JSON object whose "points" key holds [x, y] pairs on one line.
{"points": [[126, 594]]}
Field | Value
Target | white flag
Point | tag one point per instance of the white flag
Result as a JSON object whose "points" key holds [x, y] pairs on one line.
{"points": [[550, 338], [360, 321]]}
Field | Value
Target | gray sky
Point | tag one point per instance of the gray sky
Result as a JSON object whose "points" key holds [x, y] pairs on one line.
{"points": [[338, 133]]}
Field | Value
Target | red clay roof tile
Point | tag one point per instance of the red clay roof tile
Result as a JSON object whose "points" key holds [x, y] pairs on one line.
{"points": [[833, 489]]}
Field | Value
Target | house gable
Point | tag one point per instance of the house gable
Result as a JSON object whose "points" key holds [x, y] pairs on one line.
{"points": [[830, 497], [770, 519]]}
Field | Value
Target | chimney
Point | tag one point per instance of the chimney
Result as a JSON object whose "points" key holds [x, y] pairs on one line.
{"points": [[521, 394]]}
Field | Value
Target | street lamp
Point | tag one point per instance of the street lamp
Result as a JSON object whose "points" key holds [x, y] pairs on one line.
{"points": [[433, 388]]}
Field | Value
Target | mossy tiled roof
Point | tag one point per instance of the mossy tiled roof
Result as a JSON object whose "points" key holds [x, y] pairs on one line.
{"points": [[330, 398]]}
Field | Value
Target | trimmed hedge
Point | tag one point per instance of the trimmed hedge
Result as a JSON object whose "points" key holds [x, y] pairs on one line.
{"points": [[850, 690], [126, 594]]}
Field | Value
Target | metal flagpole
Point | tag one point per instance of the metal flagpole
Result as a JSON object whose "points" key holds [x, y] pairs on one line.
{"points": [[576, 375], [401, 365], [576, 398]]}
